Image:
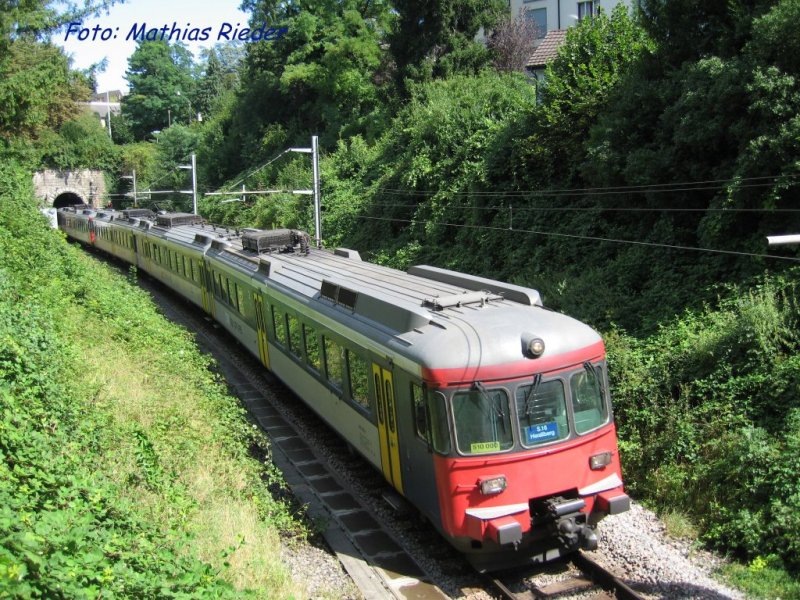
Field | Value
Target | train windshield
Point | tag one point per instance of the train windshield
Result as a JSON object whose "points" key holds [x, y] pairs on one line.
{"points": [[588, 399], [542, 412], [483, 421]]}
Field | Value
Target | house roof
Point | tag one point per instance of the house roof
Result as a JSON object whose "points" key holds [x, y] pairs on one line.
{"points": [[547, 50]]}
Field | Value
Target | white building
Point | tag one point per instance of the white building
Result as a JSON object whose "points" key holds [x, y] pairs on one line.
{"points": [[551, 15]]}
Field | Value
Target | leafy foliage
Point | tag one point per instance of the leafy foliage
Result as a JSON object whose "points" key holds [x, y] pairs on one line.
{"points": [[708, 409], [82, 143], [37, 89], [437, 39], [68, 526], [161, 83]]}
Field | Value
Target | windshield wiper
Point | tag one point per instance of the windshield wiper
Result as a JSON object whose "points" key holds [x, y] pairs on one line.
{"points": [[537, 379], [485, 395]]}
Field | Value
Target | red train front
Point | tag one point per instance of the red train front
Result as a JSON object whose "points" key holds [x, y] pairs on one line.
{"points": [[524, 445]]}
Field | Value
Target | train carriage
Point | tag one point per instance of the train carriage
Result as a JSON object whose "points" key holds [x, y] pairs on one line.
{"points": [[490, 413], [77, 223]]}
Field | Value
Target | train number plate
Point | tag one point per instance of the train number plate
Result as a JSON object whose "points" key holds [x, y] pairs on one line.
{"points": [[480, 447], [536, 434]]}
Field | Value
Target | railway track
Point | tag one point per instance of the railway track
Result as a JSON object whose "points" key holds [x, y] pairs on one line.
{"points": [[574, 576], [370, 553]]}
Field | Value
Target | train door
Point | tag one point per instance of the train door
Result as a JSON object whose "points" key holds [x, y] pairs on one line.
{"points": [[387, 425], [261, 329], [206, 288]]}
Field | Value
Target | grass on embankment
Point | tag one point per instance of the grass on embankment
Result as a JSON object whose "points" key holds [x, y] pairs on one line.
{"points": [[177, 445], [125, 467]]}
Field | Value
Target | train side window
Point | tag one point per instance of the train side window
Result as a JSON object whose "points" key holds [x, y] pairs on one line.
{"points": [[279, 325], [359, 379], [420, 414], [588, 401], [295, 338], [240, 299], [334, 362], [312, 348], [440, 432]]}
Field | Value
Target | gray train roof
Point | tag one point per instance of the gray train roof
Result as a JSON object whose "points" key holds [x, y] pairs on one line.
{"points": [[440, 324], [438, 318]]}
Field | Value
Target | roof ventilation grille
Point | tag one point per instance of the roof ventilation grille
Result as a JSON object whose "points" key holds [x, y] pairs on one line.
{"points": [[140, 213], [176, 219], [459, 300], [338, 294], [275, 240]]}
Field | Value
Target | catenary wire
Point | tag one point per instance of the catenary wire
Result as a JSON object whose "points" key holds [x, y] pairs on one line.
{"points": [[585, 237], [700, 185], [590, 208]]}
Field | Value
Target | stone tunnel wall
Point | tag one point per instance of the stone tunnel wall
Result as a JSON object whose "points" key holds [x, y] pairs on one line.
{"points": [[89, 185]]}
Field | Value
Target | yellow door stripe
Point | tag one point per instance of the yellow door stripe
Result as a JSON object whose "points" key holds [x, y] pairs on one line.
{"points": [[261, 330], [386, 465], [391, 425]]}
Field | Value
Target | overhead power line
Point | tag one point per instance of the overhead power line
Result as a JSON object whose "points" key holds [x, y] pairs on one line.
{"points": [[685, 186], [583, 237], [253, 171], [591, 208]]}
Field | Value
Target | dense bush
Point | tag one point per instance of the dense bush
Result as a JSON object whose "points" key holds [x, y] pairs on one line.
{"points": [[708, 411]]}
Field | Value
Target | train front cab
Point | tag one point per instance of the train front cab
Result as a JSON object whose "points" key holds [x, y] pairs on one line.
{"points": [[528, 466]]}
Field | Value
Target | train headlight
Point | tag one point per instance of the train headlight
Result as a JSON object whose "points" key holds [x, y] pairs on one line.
{"points": [[492, 485], [532, 346], [599, 461]]}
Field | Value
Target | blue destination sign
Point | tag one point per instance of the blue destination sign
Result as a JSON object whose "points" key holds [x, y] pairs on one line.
{"points": [[536, 434]]}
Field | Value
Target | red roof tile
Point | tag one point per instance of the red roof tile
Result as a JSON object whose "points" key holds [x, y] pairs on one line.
{"points": [[547, 50]]}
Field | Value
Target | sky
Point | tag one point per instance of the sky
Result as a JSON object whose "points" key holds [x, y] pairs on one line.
{"points": [[220, 19]]}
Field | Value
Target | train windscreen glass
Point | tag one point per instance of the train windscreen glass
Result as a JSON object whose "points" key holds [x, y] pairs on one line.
{"points": [[588, 399], [542, 412], [483, 421]]}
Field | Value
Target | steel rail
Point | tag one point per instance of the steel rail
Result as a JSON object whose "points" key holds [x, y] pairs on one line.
{"points": [[593, 575]]}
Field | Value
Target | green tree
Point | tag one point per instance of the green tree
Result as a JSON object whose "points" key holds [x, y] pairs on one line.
{"points": [[82, 144], [437, 38], [219, 75], [325, 71], [595, 58], [37, 89], [161, 84], [174, 148], [327, 75]]}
